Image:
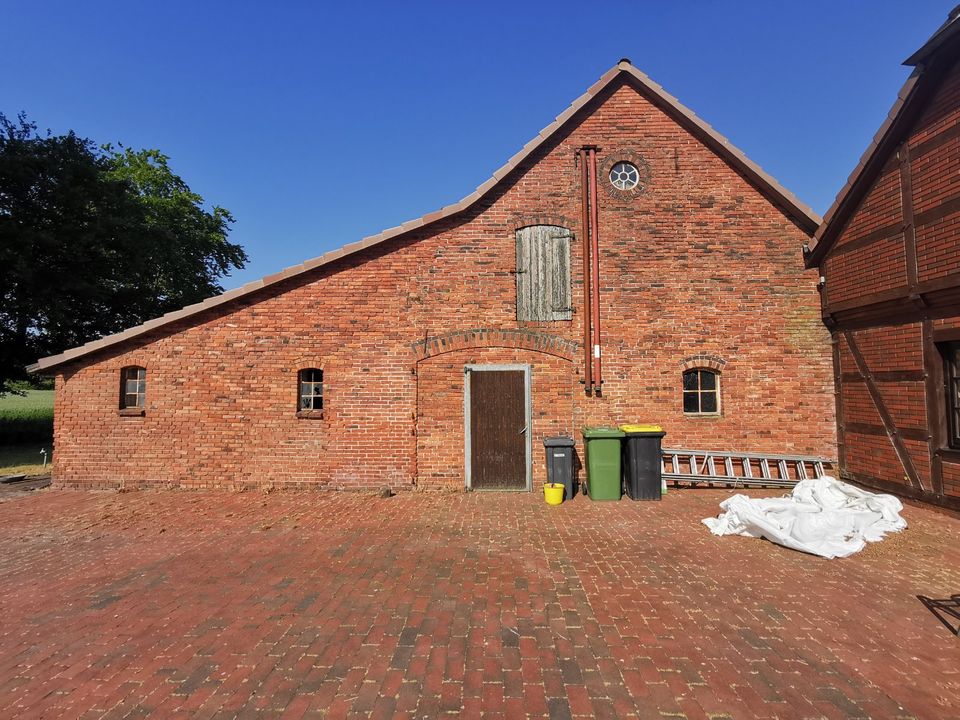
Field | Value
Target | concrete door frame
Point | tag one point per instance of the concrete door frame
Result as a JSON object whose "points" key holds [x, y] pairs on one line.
{"points": [[528, 411]]}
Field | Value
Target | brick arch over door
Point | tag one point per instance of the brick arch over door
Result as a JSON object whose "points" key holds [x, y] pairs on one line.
{"points": [[517, 339], [439, 459]]}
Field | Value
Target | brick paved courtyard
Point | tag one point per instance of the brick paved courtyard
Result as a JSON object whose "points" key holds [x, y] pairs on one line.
{"points": [[217, 604]]}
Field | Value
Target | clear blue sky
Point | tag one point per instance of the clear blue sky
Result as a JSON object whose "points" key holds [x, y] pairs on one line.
{"points": [[319, 123]]}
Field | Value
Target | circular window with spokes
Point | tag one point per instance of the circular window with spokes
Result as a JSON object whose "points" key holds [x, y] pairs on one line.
{"points": [[628, 174], [624, 176]]}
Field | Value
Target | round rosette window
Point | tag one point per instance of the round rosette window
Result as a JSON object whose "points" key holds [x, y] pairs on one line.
{"points": [[624, 176]]}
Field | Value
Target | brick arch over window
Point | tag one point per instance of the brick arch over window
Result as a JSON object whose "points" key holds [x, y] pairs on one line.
{"points": [[710, 362], [306, 361], [522, 221], [493, 337]]}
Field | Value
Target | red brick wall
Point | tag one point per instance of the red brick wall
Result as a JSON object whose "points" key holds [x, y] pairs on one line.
{"points": [[893, 351], [866, 270], [700, 263], [951, 479], [440, 434], [881, 203], [885, 350], [872, 456]]}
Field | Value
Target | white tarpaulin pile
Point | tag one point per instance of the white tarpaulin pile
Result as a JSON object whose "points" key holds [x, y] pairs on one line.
{"points": [[823, 516]]}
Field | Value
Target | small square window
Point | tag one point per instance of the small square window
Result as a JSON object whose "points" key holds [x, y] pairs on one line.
{"points": [[133, 388], [311, 390]]}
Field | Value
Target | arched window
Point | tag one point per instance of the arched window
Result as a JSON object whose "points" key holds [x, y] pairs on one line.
{"points": [[133, 387], [311, 390], [701, 392]]}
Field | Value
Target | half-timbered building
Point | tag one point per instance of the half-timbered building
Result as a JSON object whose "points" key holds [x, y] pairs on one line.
{"points": [[888, 252]]}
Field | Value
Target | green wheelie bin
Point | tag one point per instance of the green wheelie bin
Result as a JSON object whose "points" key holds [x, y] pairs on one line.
{"points": [[602, 447]]}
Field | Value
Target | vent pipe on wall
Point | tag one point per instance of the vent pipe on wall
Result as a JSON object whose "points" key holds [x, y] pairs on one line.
{"points": [[595, 270], [587, 272], [590, 224]]}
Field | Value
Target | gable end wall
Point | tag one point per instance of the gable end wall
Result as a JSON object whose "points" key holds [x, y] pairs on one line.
{"points": [[699, 264]]}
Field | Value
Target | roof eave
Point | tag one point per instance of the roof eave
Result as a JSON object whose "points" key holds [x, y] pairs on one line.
{"points": [[943, 34]]}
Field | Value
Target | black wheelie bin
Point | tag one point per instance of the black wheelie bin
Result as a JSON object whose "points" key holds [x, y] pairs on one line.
{"points": [[641, 461], [560, 463]]}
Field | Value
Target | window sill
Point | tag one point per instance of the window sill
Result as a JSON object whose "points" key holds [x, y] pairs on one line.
{"points": [[951, 455], [702, 415], [132, 412], [310, 414]]}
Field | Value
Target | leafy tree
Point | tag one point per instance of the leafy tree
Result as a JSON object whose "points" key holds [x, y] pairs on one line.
{"points": [[94, 240]]}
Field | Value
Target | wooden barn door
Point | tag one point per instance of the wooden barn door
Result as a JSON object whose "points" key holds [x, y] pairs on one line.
{"points": [[497, 427]]}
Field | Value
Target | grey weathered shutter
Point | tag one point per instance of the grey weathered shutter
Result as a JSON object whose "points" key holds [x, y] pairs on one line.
{"points": [[525, 275], [543, 273], [560, 275]]}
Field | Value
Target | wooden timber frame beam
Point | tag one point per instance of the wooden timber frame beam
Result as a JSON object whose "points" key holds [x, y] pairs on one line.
{"points": [[932, 367], [909, 223], [906, 209], [838, 401], [935, 406], [895, 439]]}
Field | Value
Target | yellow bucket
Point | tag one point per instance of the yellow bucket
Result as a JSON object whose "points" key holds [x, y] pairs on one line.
{"points": [[553, 493]]}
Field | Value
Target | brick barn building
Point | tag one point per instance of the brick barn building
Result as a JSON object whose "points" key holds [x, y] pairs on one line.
{"points": [[628, 264], [889, 259]]}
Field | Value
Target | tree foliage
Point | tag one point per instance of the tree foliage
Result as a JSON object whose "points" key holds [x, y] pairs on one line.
{"points": [[94, 240]]}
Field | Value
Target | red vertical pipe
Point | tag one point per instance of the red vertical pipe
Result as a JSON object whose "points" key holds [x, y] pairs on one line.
{"points": [[585, 234], [595, 275]]}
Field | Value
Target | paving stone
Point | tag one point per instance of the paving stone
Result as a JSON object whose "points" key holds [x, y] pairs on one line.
{"points": [[434, 605]]}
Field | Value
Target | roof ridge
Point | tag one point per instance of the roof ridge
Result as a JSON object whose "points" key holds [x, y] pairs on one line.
{"points": [[789, 204]]}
